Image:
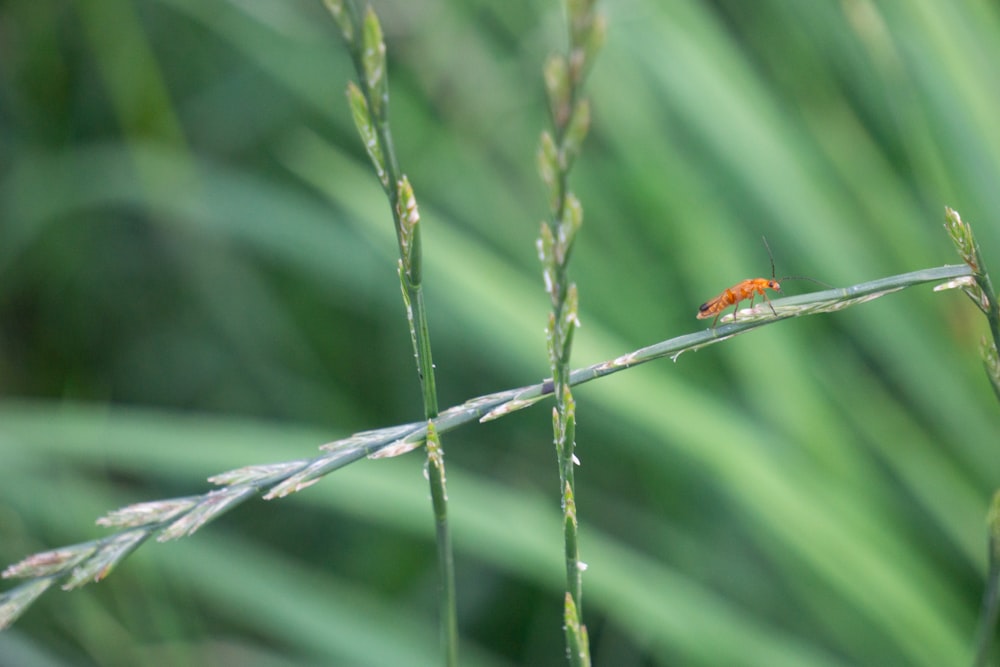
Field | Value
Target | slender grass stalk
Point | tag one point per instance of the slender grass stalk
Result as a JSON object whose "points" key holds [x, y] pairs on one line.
{"points": [[991, 594], [449, 618], [370, 105], [564, 76], [980, 289], [78, 564]]}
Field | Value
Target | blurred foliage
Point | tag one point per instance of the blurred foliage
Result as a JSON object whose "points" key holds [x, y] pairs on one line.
{"points": [[197, 273]]}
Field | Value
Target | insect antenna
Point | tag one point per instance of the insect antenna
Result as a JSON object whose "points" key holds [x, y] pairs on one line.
{"points": [[769, 255], [812, 280]]}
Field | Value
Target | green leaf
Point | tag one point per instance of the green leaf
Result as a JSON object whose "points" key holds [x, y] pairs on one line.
{"points": [[961, 235], [548, 168], [572, 220], [576, 635], [558, 89], [342, 18], [409, 217], [991, 362], [363, 121], [373, 62], [546, 254], [14, 602], [576, 132], [106, 558]]}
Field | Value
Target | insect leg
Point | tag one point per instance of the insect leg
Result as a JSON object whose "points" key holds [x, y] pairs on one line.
{"points": [[769, 303]]}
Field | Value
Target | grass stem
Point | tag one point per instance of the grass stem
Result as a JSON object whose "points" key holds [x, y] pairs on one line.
{"points": [[180, 517]]}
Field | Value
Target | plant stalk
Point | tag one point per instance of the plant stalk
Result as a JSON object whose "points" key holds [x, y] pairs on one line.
{"points": [[363, 35]]}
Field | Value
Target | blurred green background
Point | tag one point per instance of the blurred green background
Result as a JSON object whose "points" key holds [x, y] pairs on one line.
{"points": [[197, 272]]}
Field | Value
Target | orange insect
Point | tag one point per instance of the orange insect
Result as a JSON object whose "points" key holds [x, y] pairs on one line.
{"points": [[748, 289]]}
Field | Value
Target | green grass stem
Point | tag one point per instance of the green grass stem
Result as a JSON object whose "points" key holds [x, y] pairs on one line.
{"points": [[369, 59], [980, 289], [179, 517], [564, 76]]}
